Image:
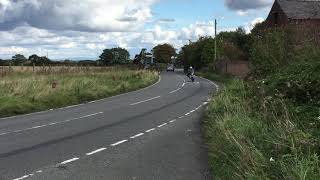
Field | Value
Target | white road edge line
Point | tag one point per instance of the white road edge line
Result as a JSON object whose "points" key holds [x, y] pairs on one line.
{"points": [[187, 114], [96, 151], [172, 121], [145, 101], [118, 143], [149, 130], [137, 135], [192, 111], [69, 161], [164, 124], [181, 117]]}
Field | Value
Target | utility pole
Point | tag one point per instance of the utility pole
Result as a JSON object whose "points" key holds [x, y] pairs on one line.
{"points": [[215, 41]]}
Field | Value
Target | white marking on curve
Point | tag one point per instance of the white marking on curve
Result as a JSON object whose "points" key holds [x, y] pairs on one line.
{"points": [[145, 101], [164, 124], [172, 121], [69, 161], [149, 130], [96, 151], [187, 114], [138, 135], [192, 111], [118, 143], [181, 117]]}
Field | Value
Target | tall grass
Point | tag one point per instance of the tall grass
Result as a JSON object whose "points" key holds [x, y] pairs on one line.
{"points": [[28, 91], [258, 137]]}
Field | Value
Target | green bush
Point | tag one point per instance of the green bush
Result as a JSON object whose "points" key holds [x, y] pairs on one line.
{"points": [[258, 137]]}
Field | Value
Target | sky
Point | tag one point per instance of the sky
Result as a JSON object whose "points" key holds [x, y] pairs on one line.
{"points": [[81, 29]]}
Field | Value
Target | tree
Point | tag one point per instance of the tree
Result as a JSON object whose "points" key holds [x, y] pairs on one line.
{"points": [[35, 59], [115, 56], [19, 59], [208, 52], [163, 53]]}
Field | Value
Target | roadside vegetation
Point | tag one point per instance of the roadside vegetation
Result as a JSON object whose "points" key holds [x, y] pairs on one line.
{"points": [[266, 126], [25, 89]]}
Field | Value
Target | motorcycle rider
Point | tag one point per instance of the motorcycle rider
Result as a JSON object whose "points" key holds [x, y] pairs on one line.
{"points": [[190, 71]]}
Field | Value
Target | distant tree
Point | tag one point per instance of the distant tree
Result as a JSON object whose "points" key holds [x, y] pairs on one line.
{"points": [[35, 59], [115, 56], [163, 53], [19, 59], [208, 52]]}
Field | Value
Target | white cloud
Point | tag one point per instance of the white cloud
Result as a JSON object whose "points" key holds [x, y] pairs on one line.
{"points": [[242, 13], [249, 26], [84, 15]]}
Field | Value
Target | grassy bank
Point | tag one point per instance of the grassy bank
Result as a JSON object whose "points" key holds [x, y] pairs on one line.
{"points": [[25, 91], [252, 136]]}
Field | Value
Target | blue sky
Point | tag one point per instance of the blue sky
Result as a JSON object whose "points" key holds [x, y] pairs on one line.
{"points": [[62, 29]]}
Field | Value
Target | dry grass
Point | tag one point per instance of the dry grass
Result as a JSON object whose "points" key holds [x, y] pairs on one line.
{"points": [[25, 90]]}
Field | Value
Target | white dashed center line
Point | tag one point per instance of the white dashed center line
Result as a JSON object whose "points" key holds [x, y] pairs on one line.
{"points": [[145, 101], [95, 151], [138, 135], [192, 111], [24, 177], [150, 130], [175, 91], [51, 124], [187, 114], [69, 161], [118, 143], [181, 117], [162, 125], [172, 121]]}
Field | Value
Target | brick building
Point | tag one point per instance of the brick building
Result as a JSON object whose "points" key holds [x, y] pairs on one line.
{"points": [[294, 12]]}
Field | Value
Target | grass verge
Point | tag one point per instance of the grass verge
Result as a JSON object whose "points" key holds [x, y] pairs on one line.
{"points": [[256, 137], [26, 92]]}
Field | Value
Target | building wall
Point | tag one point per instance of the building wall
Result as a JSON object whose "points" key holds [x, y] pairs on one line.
{"points": [[237, 68]]}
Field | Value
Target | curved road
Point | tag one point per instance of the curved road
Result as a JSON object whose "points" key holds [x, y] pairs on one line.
{"points": [[149, 134]]}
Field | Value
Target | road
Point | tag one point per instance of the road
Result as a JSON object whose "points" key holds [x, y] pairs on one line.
{"points": [[153, 133]]}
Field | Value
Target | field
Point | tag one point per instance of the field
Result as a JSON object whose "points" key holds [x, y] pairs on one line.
{"points": [[31, 89]]}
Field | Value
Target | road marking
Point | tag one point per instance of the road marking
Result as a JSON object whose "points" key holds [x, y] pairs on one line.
{"points": [[205, 103], [183, 84], [145, 101], [90, 115], [150, 130], [69, 161], [96, 151], [36, 127], [181, 117], [50, 124], [24, 177], [192, 111], [187, 114], [172, 121], [175, 91], [162, 125], [40, 171], [138, 135], [118, 143]]}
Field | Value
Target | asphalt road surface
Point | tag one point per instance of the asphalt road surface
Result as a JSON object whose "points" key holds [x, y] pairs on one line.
{"points": [[150, 134]]}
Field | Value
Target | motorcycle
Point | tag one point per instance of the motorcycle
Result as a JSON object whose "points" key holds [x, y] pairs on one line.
{"points": [[191, 76]]}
